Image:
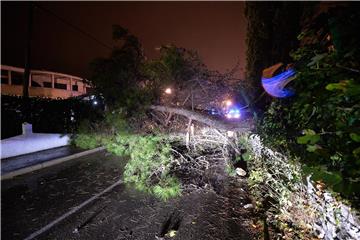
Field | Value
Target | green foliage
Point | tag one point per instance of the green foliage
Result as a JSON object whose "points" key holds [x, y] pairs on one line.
{"points": [[148, 165], [355, 137], [92, 134], [118, 76], [175, 65], [149, 156], [116, 121], [87, 141], [230, 170], [167, 188], [275, 183], [345, 88], [322, 122], [310, 137], [128, 81], [333, 179]]}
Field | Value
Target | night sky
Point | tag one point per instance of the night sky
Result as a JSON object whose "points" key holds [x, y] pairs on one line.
{"points": [[216, 30]]}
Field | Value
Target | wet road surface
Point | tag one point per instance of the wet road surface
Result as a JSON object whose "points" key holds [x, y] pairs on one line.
{"points": [[31, 201]]}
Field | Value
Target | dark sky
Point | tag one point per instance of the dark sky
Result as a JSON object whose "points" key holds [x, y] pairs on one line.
{"points": [[216, 30]]}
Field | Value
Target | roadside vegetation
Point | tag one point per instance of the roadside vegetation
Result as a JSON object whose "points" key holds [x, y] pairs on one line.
{"points": [[304, 148], [46, 115], [304, 161], [321, 123]]}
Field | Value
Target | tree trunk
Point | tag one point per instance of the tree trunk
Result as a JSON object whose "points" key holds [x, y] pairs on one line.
{"points": [[241, 126]]}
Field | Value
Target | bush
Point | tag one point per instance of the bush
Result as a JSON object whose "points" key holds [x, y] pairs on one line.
{"points": [[87, 141], [276, 185], [321, 124], [46, 115]]}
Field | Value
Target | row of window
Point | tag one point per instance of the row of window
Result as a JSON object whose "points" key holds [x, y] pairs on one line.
{"points": [[17, 79]]}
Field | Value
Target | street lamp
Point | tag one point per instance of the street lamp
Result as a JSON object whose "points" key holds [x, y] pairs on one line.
{"points": [[168, 91]]}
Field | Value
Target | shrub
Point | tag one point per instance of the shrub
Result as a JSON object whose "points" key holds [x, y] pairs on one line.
{"points": [[87, 141], [46, 115], [321, 124], [276, 185]]}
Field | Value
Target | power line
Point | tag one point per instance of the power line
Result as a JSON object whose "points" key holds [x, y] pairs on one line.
{"points": [[74, 27]]}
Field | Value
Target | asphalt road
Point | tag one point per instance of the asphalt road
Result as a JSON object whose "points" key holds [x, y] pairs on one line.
{"points": [[31, 201]]}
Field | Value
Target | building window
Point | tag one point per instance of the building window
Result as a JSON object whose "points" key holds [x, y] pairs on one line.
{"points": [[17, 78], [4, 77], [75, 88], [47, 84], [4, 80], [35, 84], [60, 86]]}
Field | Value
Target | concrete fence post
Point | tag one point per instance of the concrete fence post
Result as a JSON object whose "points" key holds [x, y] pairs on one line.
{"points": [[26, 128]]}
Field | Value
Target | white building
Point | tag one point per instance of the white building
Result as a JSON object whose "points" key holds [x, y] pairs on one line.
{"points": [[43, 83]]}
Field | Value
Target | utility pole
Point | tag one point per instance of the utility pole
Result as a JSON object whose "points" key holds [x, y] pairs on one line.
{"points": [[28, 52]]}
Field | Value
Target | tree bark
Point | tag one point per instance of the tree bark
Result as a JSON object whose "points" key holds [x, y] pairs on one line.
{"points": [[239, 126]]}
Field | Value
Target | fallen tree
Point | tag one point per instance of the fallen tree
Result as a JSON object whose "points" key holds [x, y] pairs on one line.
{"points": [[243, 126]]}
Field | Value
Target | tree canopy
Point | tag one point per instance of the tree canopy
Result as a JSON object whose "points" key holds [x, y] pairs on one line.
{"points": [[117, 75]]}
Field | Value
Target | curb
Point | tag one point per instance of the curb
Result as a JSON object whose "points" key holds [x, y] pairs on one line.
{"points": [[42, 165]]}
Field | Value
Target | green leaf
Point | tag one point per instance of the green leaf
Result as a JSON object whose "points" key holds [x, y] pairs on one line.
{"points": [[246, 156], [349, 87], [308, 139], [356, 152], [337, 86], [321, 173], [353, 90], [312, 148], [355, 137], [309, 132], [316, 59]]}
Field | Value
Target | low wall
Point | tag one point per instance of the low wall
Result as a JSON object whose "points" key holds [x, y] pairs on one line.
{"points": [[30, 142]]}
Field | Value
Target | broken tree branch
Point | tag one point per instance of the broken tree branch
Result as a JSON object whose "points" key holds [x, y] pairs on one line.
{"points": [[242, 126]]}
